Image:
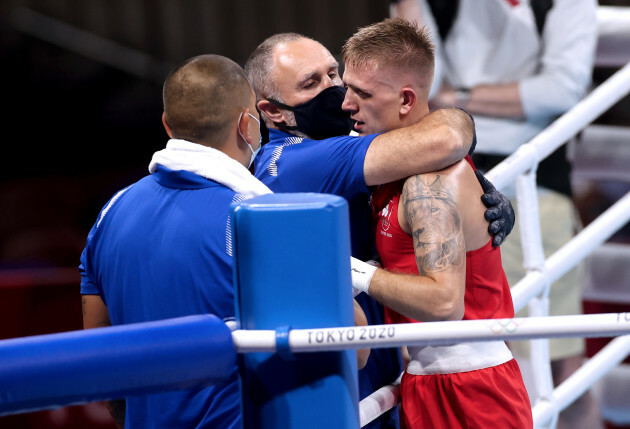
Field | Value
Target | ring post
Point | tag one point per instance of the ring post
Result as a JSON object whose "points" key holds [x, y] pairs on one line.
{"points": [[292, 271]]}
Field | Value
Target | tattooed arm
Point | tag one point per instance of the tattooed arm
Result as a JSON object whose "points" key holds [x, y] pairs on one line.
{"points": [[429, 212]]}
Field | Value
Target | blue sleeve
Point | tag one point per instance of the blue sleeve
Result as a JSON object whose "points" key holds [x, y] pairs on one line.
{"points": [[87, 285], [333, 166]]}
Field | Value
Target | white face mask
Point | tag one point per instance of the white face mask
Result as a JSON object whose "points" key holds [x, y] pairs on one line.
{"points": [[254, 152]]}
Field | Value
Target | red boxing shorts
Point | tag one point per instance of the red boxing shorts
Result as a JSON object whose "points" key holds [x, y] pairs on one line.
{"points": [[492, 397]]}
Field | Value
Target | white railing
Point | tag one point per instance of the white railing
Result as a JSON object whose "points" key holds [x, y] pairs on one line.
{"points": [[613, 27], [533, 289]]}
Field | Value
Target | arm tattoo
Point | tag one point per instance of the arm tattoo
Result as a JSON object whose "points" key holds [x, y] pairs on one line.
{"points": [[436, 226]]}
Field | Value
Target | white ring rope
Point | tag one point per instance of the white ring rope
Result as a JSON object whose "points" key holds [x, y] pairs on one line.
{"points": [[436, 333], [581, 380], [442, 333], [580, 246], [383, 399]]}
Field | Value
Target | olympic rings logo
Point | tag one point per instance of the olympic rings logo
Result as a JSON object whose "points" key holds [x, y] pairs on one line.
{"points": [[508, 326]]}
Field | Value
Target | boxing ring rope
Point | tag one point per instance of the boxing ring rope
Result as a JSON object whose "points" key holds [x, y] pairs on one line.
{"points": [[49, 371], [434, 333], [574, 251]]}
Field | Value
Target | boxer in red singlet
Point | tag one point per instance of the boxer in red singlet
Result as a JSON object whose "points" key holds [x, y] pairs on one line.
{"points": [[431, 226]]}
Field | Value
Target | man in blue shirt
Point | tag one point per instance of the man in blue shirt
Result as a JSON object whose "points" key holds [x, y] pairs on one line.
{"points": [[161, 248], [299, 93]]}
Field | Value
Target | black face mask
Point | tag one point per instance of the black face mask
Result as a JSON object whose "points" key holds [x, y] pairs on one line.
{"points": [[321, 117]]}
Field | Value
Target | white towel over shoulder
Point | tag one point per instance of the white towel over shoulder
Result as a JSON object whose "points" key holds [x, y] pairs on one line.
{"points": [[209, 163]]}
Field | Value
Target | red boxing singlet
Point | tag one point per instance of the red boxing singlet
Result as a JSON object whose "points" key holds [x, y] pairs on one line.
{"points": [[487, 291], [461, 385]]}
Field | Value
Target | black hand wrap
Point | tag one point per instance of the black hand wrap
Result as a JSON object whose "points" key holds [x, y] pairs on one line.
{"points": [[499, 213]]}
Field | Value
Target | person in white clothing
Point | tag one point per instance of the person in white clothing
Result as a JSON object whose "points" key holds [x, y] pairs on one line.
{"points": [[516, 65]]}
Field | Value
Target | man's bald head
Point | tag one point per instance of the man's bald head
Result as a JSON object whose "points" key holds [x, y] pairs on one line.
{"points": [[203, 96], [260, 65]]}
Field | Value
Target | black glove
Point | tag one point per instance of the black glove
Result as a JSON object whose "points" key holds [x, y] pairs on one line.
{"points": [[500, 212]]}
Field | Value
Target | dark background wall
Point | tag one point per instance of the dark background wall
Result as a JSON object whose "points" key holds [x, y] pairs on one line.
{"points": [[82, 97]]}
